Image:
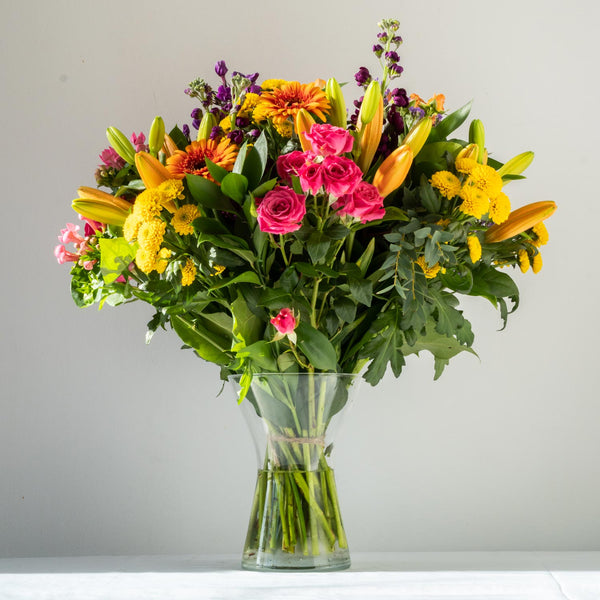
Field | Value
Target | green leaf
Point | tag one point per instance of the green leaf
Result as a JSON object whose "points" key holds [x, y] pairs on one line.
{"points": [[260, 353], [316, 347], [345, 309], [115, 257], [435, 153], [207, 193], [429, 199], [487, 281], [317, 245], [235, 186], [217, 171], [459, 279], [200, 339], [275, 299], [449, 124], [361, 290], [177, 136], [247, 327], [262, 149], [265, 187], [209, 226], [245, 277], [253, 168], [240, 159], [393, 213]]}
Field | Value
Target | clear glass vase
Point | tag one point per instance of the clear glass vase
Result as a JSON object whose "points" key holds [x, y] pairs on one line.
{"points": [[295, 520]]}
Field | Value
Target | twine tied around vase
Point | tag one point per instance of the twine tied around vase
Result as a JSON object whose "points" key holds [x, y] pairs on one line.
{"points": [[272, 439]]}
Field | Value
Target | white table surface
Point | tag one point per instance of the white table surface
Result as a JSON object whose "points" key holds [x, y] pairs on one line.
{"points": [[418, 576]]}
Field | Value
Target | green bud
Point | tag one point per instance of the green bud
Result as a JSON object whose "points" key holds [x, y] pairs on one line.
{"points": [[156, 137], [208, 122], [337, 115], [370, 103], [517, 164], [121, 145], [477, 136]]}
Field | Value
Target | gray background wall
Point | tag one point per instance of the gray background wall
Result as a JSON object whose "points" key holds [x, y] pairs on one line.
{"points": [[109, 446]]}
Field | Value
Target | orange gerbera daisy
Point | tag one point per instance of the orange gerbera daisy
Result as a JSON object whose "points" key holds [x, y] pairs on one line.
{"points": [[193, 159], [283, 102]]}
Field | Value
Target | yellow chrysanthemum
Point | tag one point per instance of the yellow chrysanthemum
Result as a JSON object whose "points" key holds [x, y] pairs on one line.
{"points": [[250, 102], [465, 165], [272, 84], [285, 101], [475, 202], [131, 227], [188, 273], [148, 204], [523, 260], [499, 208], [444, 223], [486, 179], [146, 261], [446, 183], [162, 260], [183, 218], [218, 270], [171, 189], [150, 236], [474, 246], [430, 272], [536, 265], [541, 235], [285, 129]]}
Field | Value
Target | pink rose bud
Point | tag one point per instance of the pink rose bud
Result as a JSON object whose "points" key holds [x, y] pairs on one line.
{"points": [[285, 323], [311, 177], [364, 203], [281, 211], [328, 140], [290, 164], [340, 175]]}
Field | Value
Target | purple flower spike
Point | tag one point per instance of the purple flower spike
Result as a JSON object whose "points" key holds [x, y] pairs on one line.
{"points": [[196, 123], [392, 56], [396, 69], [196, 114], [362, 76], [221, 68], [215, 132], [378, 49], [236, 136], [186, 130], [223, 93]]}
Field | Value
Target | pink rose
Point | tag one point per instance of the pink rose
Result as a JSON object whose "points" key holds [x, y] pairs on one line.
{"points": [[328, 140], [285, 323], [290, 164], [364, 203], [340, 175], [281, 211], [311, 177]]}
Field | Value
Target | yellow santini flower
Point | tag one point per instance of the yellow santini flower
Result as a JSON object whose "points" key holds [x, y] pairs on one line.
{"points": [[285, 129], [146, 261], [150, 236], [430, 272], [465, 165], [541, 234], [250, 102], [499, 208], [271, 84], [536, 264], [148, 204], [486, 179], [218, 270], [183, 218], [162, 260], [443, 223], [171, 189], [474, 246], [475, 202], [523, 260], [446, 183], [285, 101], [188, 273], [131, 227]]}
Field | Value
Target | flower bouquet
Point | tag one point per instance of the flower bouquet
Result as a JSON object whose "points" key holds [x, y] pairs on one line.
{"points": [[297, 244]]}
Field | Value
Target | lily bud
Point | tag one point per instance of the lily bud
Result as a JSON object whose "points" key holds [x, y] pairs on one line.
{"points": [[520, 220], [101, 210], [206, 125], [393, 170], [517, 164], [303, 122], [470, 151], [169, 146], [121, 145], [337, 114], [152, 171], [477, 136], [369, 105], [418, 135], [370, 136], [88, 193], [156, 136]]}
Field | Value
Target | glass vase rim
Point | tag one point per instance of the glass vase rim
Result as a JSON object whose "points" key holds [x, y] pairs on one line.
{"points": [[237, 376]]}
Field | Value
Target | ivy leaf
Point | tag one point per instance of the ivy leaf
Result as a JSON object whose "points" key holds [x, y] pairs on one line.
{"points": [[316, 347]]}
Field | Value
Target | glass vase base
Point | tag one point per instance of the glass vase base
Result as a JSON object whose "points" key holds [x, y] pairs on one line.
{"points": [[266, 561]]}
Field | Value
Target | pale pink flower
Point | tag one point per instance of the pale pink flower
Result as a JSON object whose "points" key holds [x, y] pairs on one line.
{"points": [[111, 159], [63, 255], [139, 142], [88, 265], [69, 235]]}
